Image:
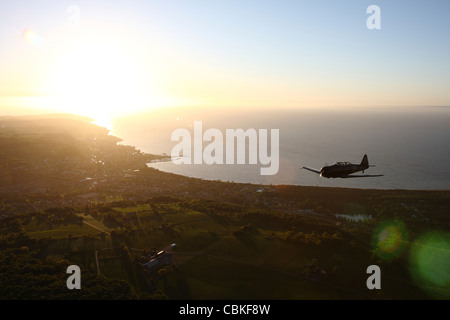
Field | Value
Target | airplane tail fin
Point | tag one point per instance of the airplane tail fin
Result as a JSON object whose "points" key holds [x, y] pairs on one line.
{"points": [[365, 162]]}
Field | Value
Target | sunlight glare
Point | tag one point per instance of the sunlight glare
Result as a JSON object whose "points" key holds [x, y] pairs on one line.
{"points": [[100, 80]]}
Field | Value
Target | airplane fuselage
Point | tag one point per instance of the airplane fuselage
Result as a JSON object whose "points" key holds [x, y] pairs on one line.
{"points": [[341, 169], [344, 170]]}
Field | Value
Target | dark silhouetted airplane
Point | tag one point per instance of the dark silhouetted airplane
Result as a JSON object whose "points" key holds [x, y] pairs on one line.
{"points": [[344, 170]]}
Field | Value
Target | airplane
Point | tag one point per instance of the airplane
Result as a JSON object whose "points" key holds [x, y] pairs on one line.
{"points": [[344, 169]]}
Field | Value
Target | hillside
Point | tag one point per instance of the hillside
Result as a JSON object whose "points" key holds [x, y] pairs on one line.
{"points": [[71, 194]]}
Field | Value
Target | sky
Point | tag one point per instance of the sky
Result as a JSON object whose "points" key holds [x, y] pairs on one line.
{"points": [[106, 58]]}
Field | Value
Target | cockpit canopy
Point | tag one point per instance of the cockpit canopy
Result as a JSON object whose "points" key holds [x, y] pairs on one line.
{"points": [[343, 163]]}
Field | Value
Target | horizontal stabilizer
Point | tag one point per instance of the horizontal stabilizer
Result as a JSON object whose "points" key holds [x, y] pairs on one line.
{"points": [[312, 169]]}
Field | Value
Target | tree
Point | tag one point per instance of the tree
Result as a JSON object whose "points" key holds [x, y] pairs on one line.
{"points": [[125, 252]]}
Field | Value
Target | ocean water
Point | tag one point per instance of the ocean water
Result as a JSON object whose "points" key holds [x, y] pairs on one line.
{"points": [[409, 146]]}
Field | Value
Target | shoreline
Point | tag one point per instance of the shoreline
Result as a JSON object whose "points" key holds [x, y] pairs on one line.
{"points": [[262, 185]]}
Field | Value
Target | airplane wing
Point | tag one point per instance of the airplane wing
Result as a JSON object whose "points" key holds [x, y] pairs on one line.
{"points": [[312, 169], [363, 176]]}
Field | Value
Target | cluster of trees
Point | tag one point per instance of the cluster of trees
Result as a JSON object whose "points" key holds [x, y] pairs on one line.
{"points": [[313, 238], [112, 219], [27, 272], [25, 276], [212, 206], [13, 224], [58, 216], [248, 230]]}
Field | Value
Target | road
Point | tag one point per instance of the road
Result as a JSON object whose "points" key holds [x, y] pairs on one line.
{"points": [[97, 228]]}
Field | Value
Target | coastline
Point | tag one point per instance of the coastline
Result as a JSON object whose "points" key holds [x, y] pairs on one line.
{"points": [[59, 198]]}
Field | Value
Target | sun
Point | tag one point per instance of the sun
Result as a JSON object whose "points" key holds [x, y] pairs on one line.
{"points": [[101, 80]]}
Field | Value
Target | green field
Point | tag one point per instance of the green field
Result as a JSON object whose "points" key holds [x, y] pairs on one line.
{"points": [[223, 252], [96, 223], [212, 278], [64, 231]]}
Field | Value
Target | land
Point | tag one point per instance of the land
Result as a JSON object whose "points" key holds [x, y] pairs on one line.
{"points": [[70, 193]]}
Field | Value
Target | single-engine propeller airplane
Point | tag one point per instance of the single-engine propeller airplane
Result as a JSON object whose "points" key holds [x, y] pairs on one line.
{"points": [[344, 170]]}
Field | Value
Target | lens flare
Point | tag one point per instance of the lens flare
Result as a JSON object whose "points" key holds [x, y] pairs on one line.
{"points": [[430, 263], [390, 239], [31, 37]]}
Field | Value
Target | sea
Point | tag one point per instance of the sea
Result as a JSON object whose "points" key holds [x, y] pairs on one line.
{"points": [[409, 146]]}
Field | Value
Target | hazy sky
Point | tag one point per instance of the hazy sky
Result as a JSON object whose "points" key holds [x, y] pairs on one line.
{"points": [[99, 57]]}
